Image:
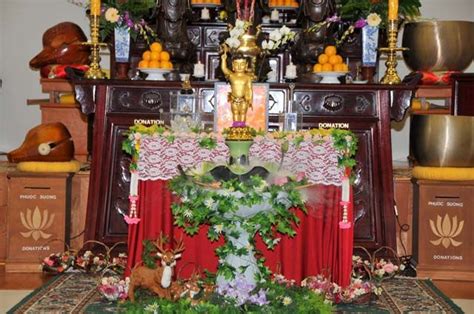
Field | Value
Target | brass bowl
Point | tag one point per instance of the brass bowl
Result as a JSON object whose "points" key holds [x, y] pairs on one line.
{"points": [[438, 45], [442, 140]]}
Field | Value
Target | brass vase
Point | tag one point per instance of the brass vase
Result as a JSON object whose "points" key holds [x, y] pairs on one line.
{"points": [[250, 49]]}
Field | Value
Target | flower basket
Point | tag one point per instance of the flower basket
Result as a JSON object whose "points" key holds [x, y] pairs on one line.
{"points": [[376, 268], [58, 263], [113, 287]]}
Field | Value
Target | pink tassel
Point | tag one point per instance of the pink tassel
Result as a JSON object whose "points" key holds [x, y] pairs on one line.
{"points": [[133, 217]]}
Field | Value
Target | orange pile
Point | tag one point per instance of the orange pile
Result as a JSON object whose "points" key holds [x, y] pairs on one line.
{"points": [[216, 2], [330, 61], [283, 3], [155, 58]]}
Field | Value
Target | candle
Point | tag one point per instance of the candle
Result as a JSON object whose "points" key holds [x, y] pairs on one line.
{"points": [[275, 15], [392, 10], [95, 7], [198, 70], [205, 14], [290, 71]]}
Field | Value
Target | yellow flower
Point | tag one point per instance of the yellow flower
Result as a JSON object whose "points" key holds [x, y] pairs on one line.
{"points": [[287, 301], [373, 19], [112, 15]]}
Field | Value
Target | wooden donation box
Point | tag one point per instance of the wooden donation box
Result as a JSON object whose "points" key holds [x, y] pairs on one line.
{"points": [[366, 110], [37, 218], [444, 224]]}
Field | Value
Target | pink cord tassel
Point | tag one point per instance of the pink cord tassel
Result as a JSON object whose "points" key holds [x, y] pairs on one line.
{"points": [[132, 218]]}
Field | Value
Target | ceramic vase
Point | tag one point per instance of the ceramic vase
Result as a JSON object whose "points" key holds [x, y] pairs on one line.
{"points": [[122, 52]]}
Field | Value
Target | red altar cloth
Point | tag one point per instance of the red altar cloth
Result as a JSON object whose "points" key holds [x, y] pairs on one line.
{"points": [[318, 247]]}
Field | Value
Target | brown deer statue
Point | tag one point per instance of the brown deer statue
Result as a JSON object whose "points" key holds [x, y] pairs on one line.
{"points": [[157, 280]]}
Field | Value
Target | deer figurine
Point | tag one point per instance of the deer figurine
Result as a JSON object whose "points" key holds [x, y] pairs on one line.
{"points": [[157, 280]]}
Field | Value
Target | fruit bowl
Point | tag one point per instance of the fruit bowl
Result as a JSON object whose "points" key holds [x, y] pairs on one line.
{"points": [[155, 74], [330, 77]]}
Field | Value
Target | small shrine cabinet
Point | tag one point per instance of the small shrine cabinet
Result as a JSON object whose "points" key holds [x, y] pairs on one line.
{"points": [[364, 109]]}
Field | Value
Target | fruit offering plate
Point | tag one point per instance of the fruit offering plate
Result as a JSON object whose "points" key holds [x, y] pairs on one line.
{"points": [[155, 74], [330, 77]]}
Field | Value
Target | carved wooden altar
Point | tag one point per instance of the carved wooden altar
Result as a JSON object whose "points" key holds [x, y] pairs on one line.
{"points": [[364, 109]]}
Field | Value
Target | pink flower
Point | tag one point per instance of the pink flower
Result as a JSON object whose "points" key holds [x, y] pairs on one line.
{"points": [[47, 261], [360, 23], [300, 176], [389, 268], [280, 181]]}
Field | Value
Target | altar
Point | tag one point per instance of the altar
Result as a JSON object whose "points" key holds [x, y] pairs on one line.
{"points": [[321, 244], [366, 110]]}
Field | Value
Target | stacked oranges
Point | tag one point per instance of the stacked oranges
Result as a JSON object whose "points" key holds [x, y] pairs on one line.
{"points": [[330, 61], [155, 58]]}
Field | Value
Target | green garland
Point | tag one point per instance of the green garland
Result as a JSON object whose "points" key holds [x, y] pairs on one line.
{"points": [[217, 207]]}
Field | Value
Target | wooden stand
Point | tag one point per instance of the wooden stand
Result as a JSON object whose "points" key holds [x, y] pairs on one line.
{"points": [[68, 114], [364, 109]]}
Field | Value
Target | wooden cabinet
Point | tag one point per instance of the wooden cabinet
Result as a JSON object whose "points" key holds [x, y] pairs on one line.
{"points": [[366, 110]]}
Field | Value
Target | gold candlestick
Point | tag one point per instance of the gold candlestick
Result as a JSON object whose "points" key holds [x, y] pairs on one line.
{"points": [[95, 72], [391, 75]]}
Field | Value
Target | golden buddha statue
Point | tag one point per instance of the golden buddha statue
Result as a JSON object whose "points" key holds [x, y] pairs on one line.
{"points": [[241, 95]]}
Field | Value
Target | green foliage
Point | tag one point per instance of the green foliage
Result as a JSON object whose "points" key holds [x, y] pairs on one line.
{"points": [[149, 257], [282, 299], [203, 205], [133, 14], [352, 10]]}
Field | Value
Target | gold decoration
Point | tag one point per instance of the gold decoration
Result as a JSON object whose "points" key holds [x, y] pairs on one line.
{"points": [[239, 134], [36, 223], [391, 76], [95, 72], [446, 230]]}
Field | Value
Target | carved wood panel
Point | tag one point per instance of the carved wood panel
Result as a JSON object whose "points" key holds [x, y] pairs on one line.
{"points": [[332, 103]]}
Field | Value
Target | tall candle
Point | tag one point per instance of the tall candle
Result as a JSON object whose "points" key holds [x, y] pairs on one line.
{"points": [[392, 10], [198, 70], [95, 7]]}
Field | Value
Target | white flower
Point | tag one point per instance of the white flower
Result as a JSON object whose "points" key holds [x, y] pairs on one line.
{"points": [[218, 228], [373, 19], [284, 30], [239, 24], [188, 214], [236, 32], [275, 35], [232, 42], [267, 44], [287, 301], [209, 203], [112, 15]]}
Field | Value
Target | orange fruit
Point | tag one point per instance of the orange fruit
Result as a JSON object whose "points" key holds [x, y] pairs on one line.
{"points": [[317, 67], [339, 58], [166, 65], [165, 56], [154, 64], [345, 67], [327, 67], [339, 67], [334, 60], [146, 55], [156, 46], [155, 56], [323, 58], [330, 50], [143, 64]]}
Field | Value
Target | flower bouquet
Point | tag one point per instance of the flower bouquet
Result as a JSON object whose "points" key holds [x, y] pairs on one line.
{"points": [[376, 269], [58, 263], [114, 288]]}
